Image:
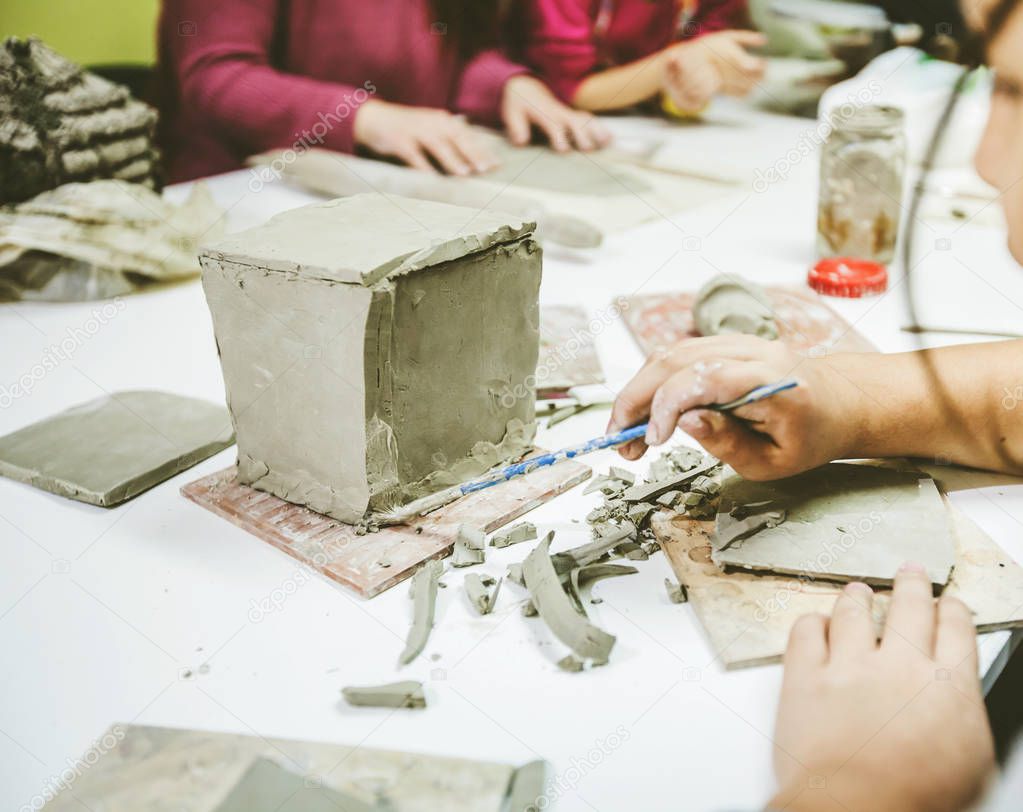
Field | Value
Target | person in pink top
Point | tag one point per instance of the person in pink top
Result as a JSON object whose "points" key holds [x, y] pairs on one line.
{"points": [[396, 78], [611, 54]]}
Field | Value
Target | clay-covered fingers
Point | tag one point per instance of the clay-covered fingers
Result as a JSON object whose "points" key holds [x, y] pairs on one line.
{"points": [[911, 615], [748, 451], [851, 632], [955, 641], [632, 406], [700, 385]]}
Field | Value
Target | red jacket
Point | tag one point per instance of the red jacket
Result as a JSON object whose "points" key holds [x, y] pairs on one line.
{"points": [[243, 76], [563, 43]]}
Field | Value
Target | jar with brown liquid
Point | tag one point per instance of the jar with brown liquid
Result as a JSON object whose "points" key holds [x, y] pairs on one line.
{"points": [[862, 167]]}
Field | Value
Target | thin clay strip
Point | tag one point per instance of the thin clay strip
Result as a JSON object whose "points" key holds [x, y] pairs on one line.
{"points": [[555, 607], [424, 597]]}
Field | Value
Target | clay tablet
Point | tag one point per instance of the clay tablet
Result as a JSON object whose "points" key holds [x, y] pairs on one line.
{"points": [[110, 449], [841, 522], [376, 349]]}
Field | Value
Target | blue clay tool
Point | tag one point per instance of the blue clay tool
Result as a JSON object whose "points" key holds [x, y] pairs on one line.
{"points": [[427, 504]]}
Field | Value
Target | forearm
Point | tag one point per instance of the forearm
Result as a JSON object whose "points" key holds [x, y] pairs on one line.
{"points": [[957, 404], [623, 86]]}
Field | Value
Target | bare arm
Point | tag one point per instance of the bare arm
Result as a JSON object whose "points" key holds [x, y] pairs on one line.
{"points": [[955, 404], [622, 86]]}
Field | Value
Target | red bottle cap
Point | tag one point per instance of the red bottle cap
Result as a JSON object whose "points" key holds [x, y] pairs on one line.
{"points": [[848, 277]]}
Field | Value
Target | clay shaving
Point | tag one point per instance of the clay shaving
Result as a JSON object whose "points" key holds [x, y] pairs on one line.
{"points": [[407, 694], [424, 596]]}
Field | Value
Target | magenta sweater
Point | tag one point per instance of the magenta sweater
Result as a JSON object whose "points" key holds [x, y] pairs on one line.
{"points": [[561, 42], [243, 76]]}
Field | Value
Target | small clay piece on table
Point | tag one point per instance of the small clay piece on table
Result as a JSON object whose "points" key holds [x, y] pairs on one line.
{"points": [[523, 531], [731, 304], [407, 694], [424, 597], [482, 591], [676, 591], [469, 547]]}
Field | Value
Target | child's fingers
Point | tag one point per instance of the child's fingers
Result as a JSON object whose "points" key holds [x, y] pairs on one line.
{"points": [[412, 154], [517, 124], [479, 157], [748, 39], [442, 148]]}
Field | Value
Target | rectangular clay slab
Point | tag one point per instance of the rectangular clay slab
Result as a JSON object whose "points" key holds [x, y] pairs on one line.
{"points": [[110, 449], [843, 522]]}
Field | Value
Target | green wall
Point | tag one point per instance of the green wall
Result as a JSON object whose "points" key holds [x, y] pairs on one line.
{"points": [[91, 32]]}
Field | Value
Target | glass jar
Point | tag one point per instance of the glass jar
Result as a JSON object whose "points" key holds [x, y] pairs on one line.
{"points": [[862, 167]]}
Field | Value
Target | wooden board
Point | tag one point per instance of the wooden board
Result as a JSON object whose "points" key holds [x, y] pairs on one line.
{"points": [[747, 617], [805, 322], [372, 563], [162, 768]]}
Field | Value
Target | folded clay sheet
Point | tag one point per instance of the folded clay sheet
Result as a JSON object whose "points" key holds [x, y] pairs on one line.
{"points": [[840, 522], [110, 449]]}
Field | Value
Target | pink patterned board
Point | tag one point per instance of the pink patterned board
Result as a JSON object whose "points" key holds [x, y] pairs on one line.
{"points": [[372, 563], [805, 322]]}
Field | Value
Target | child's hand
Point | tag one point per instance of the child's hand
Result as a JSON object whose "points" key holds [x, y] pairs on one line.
{"points": [[892, 726], [790, 432], [416, 135], [698, 70], [527, 101]]}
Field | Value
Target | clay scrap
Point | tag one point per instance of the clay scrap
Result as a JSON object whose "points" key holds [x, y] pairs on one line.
{"points": [[385, 337], [482, 591], [841, 522], [585, 640], [731, 304], [424, 601], [108, 450], [407, 694], [469, 547], [523, 531], [85, 241], [681, 479], [61, 124]]}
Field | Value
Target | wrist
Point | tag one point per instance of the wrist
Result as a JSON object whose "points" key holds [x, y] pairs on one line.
{"points": [[843, 396]]}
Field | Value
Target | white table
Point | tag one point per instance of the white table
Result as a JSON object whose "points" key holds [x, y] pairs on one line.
{"points": [[144, 613]]}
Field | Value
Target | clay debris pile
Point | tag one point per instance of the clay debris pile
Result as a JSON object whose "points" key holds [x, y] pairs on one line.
{"points": [[61, 124], [683, 479], [86, 241]]}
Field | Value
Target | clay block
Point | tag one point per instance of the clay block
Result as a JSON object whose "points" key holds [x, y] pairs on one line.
{"points": [[368, 346], [110, 449]]}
